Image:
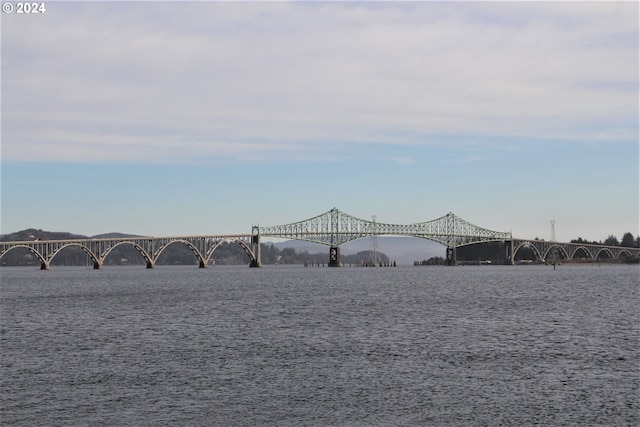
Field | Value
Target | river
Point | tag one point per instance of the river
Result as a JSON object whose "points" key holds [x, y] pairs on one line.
{"points": [[295, 346]]}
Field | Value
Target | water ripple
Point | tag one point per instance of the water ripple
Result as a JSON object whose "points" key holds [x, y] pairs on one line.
{"points": [[314, 347]]}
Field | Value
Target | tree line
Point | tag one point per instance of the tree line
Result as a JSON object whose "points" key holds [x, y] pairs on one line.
{"points": [[628, 241]]}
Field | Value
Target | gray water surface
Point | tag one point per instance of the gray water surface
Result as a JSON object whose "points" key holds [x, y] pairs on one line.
{"points": [[295, 346]]}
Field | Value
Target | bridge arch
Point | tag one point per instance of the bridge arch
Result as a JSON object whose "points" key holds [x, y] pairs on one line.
{"points": [[33, 251], [201, 261], [605, 251], [529, 246], [89, 252], [559, 248], [253, 259], [139, 248], [626, 254], [582, 249]]}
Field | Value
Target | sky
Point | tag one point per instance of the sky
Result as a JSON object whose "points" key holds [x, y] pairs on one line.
{"points": [[191, 118]]}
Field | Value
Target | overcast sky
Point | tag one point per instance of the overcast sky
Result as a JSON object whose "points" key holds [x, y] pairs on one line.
{"points": [[171, 118]]}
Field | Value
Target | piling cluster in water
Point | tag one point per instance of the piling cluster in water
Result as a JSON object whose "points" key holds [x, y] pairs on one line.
{"points": [[362, 264]]}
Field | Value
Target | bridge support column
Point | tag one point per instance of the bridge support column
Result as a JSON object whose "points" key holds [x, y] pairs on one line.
{"points": [[202, 264], [44, 265], [97, 265], [452, 258], [334, 256], [255, 247], [151, 264], [508, 252]]}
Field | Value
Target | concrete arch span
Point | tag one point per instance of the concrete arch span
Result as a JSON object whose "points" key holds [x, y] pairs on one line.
{"points": [[582, 249], [43, 262], [253, 258], [201, 249], [547, 251], [96, 263], [605, 251], [557, 250], [150, 248], [147, 257], [199, 257], [529, 246], [202, 256], [626, 254]]}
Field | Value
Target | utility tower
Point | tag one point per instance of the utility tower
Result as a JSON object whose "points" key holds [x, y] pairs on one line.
{"points": [[553, 239], [373, 244]]}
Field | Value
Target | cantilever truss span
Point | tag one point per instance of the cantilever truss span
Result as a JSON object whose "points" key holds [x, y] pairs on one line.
{"points": [[336, 227]]}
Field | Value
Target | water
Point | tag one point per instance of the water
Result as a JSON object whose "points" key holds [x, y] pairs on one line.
{"points": [[295, 346]]}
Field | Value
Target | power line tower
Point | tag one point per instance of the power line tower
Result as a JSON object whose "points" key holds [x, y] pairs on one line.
{"points": [[553, 239], [373, 244]]}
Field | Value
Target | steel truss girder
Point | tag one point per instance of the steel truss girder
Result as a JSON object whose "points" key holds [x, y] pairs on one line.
{"points": [[336, 227]]}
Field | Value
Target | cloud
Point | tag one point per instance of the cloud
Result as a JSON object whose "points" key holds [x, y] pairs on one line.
{"points": [[181, 81]]}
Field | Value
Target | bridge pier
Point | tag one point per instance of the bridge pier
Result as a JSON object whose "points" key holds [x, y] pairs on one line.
{"points": [[508, 252], [97, 265], [44, 265], [151, 264], [202, 264], [334, 256], [255, 247], [452, 258]]}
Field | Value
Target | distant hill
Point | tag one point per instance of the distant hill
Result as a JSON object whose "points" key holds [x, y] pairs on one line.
{"points": [[38, 234], [114, 236], [33, 234]]}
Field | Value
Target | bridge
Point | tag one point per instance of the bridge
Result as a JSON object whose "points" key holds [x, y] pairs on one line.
{"points": [[332, 228], [550, 251], [149, 247]]}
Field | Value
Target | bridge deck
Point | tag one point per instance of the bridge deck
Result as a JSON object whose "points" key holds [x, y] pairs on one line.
{"points": [[331, 228]]}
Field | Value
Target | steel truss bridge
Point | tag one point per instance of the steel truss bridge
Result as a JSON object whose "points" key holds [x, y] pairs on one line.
{"points": [[332, 228]]}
